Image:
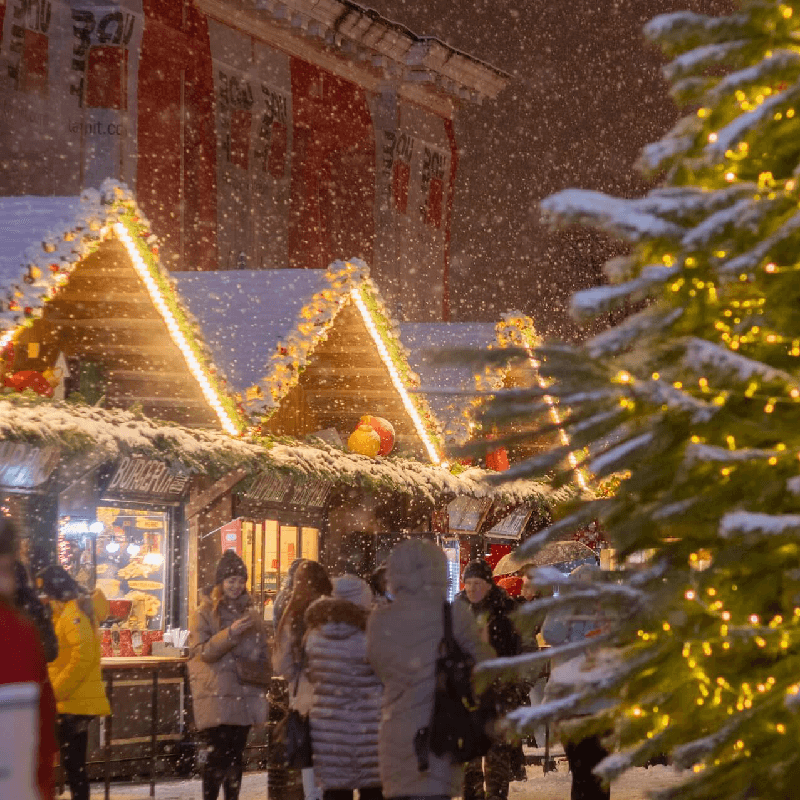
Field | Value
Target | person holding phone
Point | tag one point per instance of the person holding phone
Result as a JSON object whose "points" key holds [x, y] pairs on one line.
{"points": [[229, 672]]}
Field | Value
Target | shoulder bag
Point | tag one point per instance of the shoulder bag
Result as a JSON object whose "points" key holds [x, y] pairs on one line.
{"points": [[293, 732], [459, 725]]}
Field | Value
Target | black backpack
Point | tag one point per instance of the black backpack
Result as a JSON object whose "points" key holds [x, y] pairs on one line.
{"points": [[459, 726]]}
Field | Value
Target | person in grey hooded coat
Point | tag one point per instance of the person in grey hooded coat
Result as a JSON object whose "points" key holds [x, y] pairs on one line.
{"points": [[346, 710], [402, 645]]}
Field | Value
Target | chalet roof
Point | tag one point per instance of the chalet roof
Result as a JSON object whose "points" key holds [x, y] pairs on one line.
{"points": [[451, 385], [245, 314], [263, 329], [45, 239], [41, 238]]}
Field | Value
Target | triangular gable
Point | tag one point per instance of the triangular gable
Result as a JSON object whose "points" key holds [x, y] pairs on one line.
{"points": [[86, 280], [453, 390], [281, 337]]}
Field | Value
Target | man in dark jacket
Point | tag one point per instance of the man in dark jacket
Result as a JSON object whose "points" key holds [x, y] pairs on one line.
{"points": [[492, 606]]}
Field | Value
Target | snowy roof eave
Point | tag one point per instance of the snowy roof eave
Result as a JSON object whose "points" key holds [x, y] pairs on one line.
{"points": [[382, 44], [109, 434]]}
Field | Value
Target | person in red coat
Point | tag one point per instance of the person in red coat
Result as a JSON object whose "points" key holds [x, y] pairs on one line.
{"points": [[28, 666]]}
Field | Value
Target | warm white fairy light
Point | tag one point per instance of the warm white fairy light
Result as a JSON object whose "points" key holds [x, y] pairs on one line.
{"points": [[556, 417], [195, 367], [395, 376]]}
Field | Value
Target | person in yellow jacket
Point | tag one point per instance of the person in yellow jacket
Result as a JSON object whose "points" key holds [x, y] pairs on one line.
{"points": [[75, 674]]}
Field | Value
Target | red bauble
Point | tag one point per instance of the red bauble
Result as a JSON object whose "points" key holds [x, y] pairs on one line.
{"points": [[29, 379], [384, 429]]}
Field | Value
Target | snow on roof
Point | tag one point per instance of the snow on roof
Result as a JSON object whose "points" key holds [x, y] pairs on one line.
{"points": [[245, 314], [424, 341], [111, 434], [41, 240]]}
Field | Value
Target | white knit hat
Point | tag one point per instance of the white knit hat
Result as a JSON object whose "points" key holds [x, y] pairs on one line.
{"points": [[353, 589]]}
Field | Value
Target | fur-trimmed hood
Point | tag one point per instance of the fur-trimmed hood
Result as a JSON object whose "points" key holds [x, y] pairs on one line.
{"points": [[335, 610]]}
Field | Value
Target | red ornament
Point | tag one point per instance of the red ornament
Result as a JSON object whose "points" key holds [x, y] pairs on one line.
{"points": [[384, 429], [497, 460], [29, 379]]}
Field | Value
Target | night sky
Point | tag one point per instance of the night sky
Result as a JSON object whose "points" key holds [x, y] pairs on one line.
{"points": [[586, 96]]}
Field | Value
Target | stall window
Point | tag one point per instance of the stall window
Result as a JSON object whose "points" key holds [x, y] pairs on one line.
{"points": [[309, 544], [121, 552], [269, 548]]}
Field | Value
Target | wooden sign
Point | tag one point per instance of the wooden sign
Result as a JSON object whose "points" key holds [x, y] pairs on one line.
{"points": [[467, 513], [23, 466], [276, 487], [511, 527], [147, 477]]}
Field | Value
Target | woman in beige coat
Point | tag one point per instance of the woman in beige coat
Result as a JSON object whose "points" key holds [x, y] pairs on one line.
{"points": [[402, 645], [229, 672]]}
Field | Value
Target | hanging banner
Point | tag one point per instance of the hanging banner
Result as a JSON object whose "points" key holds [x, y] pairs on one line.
{"points": [[413, 173], [231, 533], [68, 74]]}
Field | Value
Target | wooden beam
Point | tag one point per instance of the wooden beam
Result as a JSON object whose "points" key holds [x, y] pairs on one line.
{"points": [[197, 503], [157, 401], [349, 394], [325, 371], [112, 295], [148, 375], [118, 323]]}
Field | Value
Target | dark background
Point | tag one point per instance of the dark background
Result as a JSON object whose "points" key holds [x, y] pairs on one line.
{"points": [[586, 95]]}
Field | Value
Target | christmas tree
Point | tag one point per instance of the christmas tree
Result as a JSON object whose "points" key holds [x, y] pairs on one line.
{"points": [[695, 401]]}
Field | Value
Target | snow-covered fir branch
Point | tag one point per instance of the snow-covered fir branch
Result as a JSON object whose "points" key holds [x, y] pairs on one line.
{"points": [[737, 523], [700, 356]]}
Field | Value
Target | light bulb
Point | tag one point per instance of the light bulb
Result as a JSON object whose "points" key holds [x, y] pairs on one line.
{"points": [[112, 546], [133, 549], [154, 559]]}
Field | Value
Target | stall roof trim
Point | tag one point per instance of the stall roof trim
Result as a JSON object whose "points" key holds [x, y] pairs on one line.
{"points": [[105, 435]]}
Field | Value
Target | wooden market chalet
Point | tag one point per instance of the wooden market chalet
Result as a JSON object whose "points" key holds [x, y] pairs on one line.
{"points": [[259, 358]]}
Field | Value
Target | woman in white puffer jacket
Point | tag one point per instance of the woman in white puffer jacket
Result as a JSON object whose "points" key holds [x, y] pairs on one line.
{"points": [[345, 715]]}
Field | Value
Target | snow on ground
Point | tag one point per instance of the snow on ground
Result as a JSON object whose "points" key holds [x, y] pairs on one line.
{"points": [[553, 786]]}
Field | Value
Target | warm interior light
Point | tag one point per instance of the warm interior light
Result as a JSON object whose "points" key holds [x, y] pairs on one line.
{"points": [[195, 367], [112, 546], [153, 559], [133, 549], [395, 376]]}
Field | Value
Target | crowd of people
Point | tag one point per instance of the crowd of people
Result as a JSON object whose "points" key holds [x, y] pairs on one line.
{"points": [[359, 660]]}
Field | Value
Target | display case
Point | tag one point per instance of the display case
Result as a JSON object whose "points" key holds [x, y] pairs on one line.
{"points": [[120, 551]]}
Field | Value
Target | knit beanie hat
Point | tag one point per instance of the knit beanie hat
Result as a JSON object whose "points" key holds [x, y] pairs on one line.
{"points": [[230, 564], [478, 568], [354, 590]]}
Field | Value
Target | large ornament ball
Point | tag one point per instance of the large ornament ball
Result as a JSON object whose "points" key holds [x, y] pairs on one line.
{"points": [[365, 441], [384, 429]]}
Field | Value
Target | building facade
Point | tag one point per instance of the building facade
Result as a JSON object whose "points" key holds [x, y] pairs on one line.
{"points": [[256, 134]]}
